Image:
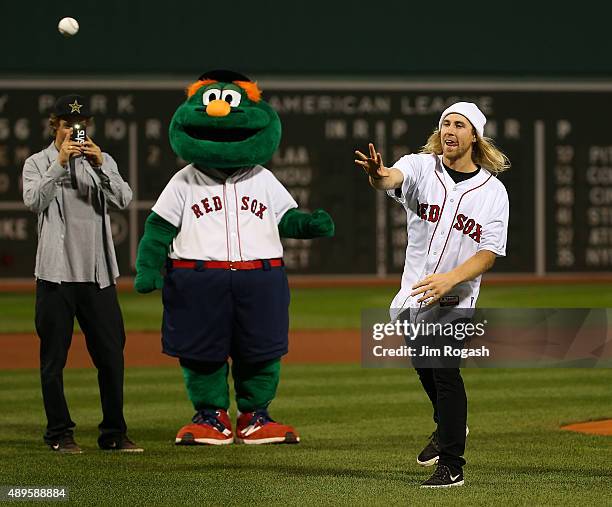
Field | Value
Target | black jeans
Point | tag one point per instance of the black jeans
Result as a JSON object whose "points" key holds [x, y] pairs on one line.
{"points": [[99, 316], [445, 389], [441, 379]]}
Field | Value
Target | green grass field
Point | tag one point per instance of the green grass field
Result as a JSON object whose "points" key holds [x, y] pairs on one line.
{"points": [[361, 428], [328, 308], [361, 431]]}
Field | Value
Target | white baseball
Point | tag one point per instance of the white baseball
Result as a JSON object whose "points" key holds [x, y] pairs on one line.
{"points": [[68, 27]]}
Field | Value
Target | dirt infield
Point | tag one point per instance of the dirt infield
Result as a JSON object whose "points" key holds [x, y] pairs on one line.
{"points": [[144, 349], [603, 427]]}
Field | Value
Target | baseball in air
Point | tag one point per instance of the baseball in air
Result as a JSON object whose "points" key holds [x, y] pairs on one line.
{"points": [[68, 27]]}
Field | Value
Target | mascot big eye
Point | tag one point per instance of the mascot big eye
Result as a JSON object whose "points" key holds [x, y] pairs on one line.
{"points": [[216, 228]]}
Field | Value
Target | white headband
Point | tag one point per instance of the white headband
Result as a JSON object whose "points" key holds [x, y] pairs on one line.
{"points": [[470, 111]]}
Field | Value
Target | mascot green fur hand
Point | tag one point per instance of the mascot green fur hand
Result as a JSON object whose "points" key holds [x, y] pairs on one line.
{"points": [[217, 227]]}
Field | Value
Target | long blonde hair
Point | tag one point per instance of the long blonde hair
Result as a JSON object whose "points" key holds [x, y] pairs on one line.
{"points": [[484, 152]]}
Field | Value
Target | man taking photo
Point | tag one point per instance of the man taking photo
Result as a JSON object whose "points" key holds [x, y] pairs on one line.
{"points": [[71, 185]]}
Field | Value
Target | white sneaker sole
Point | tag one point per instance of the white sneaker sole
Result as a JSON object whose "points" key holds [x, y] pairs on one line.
{"points": [[428, 463], [261, 441], [460, 483], [203, 441]]}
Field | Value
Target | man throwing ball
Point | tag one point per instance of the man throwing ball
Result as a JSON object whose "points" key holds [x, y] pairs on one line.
{"points": [[457, 213]]}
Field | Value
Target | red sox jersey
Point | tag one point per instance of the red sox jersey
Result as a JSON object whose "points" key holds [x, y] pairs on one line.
{"points": [[225, 219], [447, 224]]}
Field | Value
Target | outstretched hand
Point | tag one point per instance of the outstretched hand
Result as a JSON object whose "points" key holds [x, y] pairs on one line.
{"points": [[372, 165]]}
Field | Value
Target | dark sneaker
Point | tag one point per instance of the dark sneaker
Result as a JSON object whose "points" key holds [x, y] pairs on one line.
{"points": [[123, 444], [431, 453], [65, 445], [444, 478]]}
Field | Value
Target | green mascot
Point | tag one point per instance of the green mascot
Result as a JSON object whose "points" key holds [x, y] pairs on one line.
{"points": [[216, 228]]}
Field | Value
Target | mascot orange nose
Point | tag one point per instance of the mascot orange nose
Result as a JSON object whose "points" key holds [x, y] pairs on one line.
{"points": [[218, 108]]}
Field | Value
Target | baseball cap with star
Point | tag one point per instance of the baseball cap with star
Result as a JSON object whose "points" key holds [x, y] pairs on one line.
{"points": [[71, 106]]}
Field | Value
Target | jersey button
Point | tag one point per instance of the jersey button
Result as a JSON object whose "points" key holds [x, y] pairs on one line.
{"points": [[452, 200]]}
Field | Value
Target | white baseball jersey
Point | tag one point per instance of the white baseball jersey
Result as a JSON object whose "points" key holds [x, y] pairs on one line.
{"points": [[225, 220], [448, 223]]}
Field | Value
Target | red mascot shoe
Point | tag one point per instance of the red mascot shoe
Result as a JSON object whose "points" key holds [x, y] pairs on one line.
{"points": [[209, 427], [257, 428]]}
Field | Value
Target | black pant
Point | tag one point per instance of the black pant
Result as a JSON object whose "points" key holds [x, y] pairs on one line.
{"points": [[445, 389], [99, 316]]}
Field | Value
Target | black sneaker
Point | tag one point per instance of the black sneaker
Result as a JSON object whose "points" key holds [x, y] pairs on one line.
{"points": [[65, 445], [431, 453], [443, 478], [123, 444]]}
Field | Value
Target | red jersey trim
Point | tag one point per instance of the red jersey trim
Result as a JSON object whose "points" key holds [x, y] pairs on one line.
{"points": [[226, 224], [455, 216], [238, 222], [441, 211]]}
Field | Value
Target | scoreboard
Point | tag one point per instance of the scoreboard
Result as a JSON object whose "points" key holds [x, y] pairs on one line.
{"points": [[556, 135]]}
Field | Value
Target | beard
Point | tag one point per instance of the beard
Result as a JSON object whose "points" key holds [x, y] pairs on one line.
{"points": [[455, 153]]}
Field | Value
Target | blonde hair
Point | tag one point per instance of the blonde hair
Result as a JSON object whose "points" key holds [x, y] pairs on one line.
{"points": [[484, 152]]}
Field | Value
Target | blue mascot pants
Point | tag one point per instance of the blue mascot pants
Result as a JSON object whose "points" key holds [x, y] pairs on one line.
{"points": [[212, 314]]}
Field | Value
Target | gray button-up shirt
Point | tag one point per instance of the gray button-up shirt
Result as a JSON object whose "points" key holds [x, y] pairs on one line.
{"points": [[75, 242]]}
